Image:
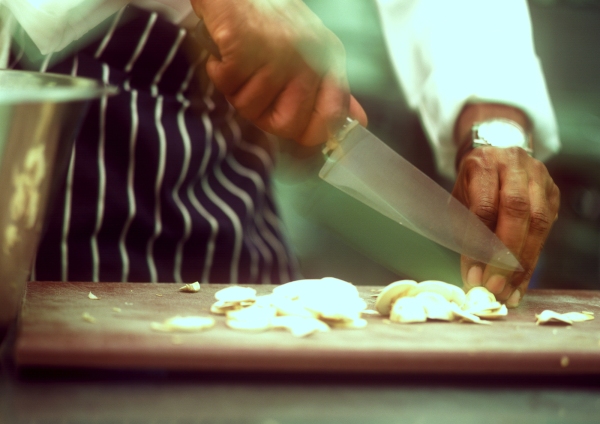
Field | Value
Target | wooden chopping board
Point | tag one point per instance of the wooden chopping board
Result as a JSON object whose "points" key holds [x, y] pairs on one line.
{"points": [[53, 333]]}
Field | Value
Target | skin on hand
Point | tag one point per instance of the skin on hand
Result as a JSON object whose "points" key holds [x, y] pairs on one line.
{"points": [[280, 67], [512, 193]]}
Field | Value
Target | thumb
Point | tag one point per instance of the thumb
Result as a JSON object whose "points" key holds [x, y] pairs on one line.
{"points": [[356, 111]]}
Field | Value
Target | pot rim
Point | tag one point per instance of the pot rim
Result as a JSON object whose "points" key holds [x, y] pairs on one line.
{"points": [[17, 87]]}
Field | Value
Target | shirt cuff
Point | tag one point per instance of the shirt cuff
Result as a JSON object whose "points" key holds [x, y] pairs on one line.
{"points": [[54, 24], [486, 80]]}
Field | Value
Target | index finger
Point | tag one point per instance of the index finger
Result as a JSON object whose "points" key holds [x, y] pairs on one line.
{"points": [[330, 109], [512, 227], [545, 202]]}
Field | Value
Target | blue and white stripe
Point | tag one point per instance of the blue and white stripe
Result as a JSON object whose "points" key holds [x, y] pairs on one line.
{"points": [[163, 184]]}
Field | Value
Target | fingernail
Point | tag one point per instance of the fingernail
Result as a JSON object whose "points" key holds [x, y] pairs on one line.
{"points": [[514, 299], [496, 284], [474, 276]]}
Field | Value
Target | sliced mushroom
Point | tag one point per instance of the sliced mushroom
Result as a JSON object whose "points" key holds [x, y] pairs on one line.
{"points": [[409, 301], [390, 293], [548, 316], [303, 307], [479, 294], [579, 316], [502, 311], [467, 316], [481, 302], [408, 310], [233, 298], [252, 312], [327, 287], [88, 318], [252, 318], [336, 309], [184, 324], [478, 308], [356, 323], [328, 299], [221, 308], [190, 288], [370, 312], [289, 307], [436, 306], [299, 326], [236, 294], [451, 292], [294, 289]]}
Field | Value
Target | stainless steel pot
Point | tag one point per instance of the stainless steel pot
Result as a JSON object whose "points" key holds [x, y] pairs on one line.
{"points": [[40, 114]]}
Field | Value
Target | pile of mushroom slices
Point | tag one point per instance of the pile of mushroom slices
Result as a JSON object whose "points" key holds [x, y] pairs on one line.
{"points": [[302, 307], [407, 301]]}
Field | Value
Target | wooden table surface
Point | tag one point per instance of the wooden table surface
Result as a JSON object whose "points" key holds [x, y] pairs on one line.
{"points": [[52, 333]]}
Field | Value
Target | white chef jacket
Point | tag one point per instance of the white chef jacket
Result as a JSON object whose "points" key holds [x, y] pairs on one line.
{"points": [[54, 24], [444, 53]]}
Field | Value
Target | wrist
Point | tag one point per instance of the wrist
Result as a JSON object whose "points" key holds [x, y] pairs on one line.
{"points": [[502, 133], [503, 124]]}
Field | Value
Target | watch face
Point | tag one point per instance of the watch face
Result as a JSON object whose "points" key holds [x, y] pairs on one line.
{"points": [[500, 134]]}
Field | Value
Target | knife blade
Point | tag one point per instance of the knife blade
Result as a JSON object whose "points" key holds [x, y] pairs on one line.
{"points": [[361, 165]]}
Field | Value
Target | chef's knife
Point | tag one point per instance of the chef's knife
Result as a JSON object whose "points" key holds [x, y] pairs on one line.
{"points": [[364, 167], [361, 165]]}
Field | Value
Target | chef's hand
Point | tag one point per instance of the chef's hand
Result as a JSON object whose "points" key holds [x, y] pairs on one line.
{"points": [[280, 67], [512, 193]]}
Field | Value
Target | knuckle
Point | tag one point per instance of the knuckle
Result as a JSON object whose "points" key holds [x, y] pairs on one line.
{"points": [[515, 204], [487, 212], [224, 35], [248, 110], [475, 159], [540, 222], [474, 164], [287, 130]]}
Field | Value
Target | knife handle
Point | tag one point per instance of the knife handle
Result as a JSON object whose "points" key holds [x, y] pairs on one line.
{"points": [[335, 140]]}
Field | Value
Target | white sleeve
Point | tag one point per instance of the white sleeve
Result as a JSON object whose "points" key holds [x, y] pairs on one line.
{"points": [[54, 24], [448, 53]]}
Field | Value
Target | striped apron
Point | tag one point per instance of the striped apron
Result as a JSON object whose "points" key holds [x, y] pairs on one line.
{"points": [[165, 183]]}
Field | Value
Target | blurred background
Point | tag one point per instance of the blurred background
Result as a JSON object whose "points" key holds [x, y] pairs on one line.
{"points": [[336, 236]]}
